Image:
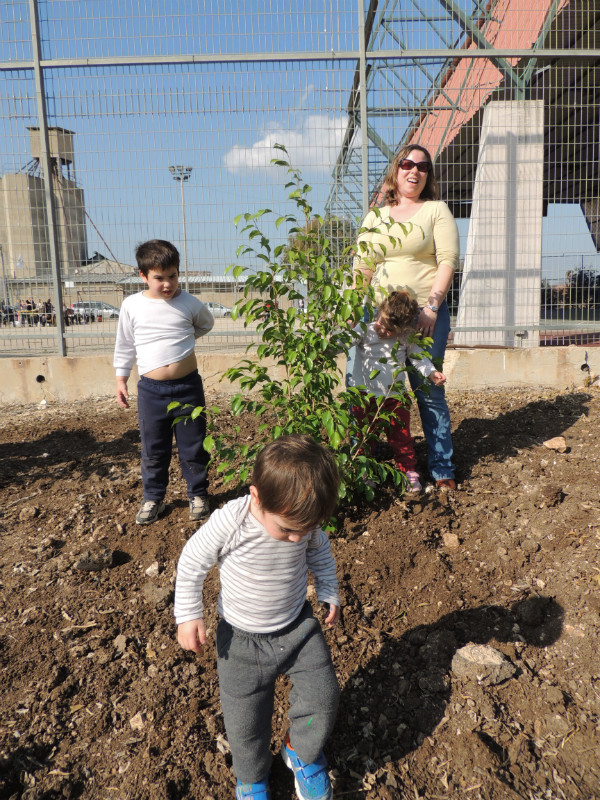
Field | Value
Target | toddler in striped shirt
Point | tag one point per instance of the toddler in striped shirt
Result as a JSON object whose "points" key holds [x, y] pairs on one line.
{"points": [[265, 543]]}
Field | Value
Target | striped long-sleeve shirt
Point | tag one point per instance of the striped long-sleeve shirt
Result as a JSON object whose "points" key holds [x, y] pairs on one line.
{"points": [[263, 580]]}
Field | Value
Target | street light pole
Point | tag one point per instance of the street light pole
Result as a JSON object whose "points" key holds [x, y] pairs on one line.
{"points": [[4, 281], [182, 175]]}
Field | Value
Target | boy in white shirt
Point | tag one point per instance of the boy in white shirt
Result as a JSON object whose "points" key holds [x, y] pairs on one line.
{"points": [[265, 543], [158, 328]]}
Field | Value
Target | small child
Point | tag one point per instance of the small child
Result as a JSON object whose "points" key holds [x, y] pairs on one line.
{"points": [[158, 327], [265, 543], [396, 317]]}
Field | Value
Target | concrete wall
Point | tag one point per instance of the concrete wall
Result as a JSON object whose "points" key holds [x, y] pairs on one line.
{"points": [[502, 270], [54, 379]]}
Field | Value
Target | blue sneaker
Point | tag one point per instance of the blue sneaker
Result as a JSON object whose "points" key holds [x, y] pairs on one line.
{"points": [[312, 780], [253, 791]]}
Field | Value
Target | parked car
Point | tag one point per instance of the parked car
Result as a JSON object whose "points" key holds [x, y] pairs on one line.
{"points": [[218, 310], [92, 309]]}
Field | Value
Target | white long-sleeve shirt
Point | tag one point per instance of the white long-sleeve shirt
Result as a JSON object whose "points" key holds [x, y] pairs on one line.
{"points": [[158, 332], [369, 352], [263, 580]]}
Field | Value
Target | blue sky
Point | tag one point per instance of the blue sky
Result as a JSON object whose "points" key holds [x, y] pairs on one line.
{"points": [[132, 122]]}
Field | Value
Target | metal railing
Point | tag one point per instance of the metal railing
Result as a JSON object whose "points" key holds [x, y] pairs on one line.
{"points": [[99, 110]]}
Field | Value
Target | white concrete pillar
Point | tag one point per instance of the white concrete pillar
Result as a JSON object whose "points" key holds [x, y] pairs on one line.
{"points": [[503, 259]]}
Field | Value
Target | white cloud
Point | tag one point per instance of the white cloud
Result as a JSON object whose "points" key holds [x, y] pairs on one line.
{"points": [[315, 145]]}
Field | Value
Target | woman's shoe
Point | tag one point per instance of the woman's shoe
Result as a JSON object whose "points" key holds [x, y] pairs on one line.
{"points": [[446, 484]]}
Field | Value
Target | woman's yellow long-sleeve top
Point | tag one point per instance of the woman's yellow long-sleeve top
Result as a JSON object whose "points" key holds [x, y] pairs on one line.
{"points": [[401, 261]]}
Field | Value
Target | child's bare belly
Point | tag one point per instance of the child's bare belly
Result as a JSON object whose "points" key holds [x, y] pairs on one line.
{"points": [[171, 372]]}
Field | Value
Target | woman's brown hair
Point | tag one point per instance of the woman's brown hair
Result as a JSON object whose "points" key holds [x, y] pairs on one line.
{"points": [[431, 189]]}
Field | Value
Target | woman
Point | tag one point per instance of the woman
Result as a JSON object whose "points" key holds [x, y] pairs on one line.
{"points": [[412, 243]]}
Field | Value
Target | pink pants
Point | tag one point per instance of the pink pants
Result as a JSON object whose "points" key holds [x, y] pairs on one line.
{"points": [[398, 431]]}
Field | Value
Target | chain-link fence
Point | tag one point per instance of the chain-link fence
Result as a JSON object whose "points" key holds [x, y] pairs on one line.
{"points": [[130, 120]]}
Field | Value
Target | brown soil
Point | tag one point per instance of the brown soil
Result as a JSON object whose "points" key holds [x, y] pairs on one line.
{"points": [[98, 700]]}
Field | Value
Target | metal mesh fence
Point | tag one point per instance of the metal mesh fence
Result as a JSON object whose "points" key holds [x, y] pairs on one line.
{"points": [[158, 120]]}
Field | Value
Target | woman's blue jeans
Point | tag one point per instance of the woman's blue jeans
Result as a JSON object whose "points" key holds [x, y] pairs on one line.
{"points": [[433, 408]]}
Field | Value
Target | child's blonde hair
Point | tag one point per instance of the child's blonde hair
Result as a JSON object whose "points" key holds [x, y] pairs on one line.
{"points": [[400, 309]]}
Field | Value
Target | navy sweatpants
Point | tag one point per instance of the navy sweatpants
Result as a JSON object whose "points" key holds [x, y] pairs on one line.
{"points": [[156, 430]]}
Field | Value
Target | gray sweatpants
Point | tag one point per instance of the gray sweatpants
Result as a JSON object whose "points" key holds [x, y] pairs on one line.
{"points": [[248, 665]]}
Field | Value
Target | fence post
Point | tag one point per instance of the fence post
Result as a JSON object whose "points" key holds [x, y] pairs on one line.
{"points": [[362, 44], [47, 175]]}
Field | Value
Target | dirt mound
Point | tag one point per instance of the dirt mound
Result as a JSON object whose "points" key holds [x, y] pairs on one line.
{"points": [[98, 700]]}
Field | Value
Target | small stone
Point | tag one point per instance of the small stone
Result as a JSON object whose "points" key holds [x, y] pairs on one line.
{"points": [[554, 695], [450, 541], [157, 596], [557, 443], [574, 630], [153, 570], [482, 663], [29, 512], [120, 643], [551, 496], [530, 546], [433, 682], [557, 725], [94, 560], [137, 722], [222, 744]]}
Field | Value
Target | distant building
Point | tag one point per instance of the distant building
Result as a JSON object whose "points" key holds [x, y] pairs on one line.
{"points": [[24, 230]]}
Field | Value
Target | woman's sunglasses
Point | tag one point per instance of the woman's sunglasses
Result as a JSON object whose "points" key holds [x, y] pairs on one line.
{"points": [[422, 166]]}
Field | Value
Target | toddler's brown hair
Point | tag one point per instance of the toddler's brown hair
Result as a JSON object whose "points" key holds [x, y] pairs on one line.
{"points": [[297, 478], [400, 309]]}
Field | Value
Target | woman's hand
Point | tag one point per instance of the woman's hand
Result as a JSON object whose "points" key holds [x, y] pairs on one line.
{"points": [[426, 322]]}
